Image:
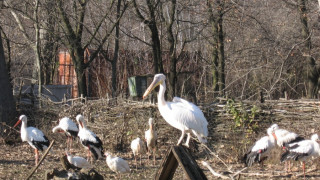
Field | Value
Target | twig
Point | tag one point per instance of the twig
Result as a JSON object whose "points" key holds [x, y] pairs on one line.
{"points": [[3, 123], [211, 152], [310, 170], [239, 171], [44, 156], [213, 172]]}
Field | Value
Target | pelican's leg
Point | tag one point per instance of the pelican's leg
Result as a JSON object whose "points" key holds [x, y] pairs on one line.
{"points": [[188, 140], [181, 138]]}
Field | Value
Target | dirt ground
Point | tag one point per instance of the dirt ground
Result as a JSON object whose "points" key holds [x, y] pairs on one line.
{"points": [[119, 122]]}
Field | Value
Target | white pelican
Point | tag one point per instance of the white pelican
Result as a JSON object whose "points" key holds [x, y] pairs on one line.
{"points": [[302, 151], [78, 162], [258, 152], [151, 139], [89, 139], [67, 126], [180, 113], [138, 148], [117, 164], [35, 137]]}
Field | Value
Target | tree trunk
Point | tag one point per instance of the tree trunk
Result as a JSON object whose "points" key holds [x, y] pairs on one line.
{"points": [[217, 54], [310, 69], [7, 104]]}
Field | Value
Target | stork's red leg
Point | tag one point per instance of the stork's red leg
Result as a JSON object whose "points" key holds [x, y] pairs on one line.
{"points": [[36, 156], [304, 171]]}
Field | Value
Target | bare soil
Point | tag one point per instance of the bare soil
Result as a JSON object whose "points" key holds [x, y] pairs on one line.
{"points": [[118, 122]]}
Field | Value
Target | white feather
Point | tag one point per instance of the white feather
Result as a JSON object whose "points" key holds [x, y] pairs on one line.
{"points": [[138, 147], [117, 164], [79, 162], [66, 124]]}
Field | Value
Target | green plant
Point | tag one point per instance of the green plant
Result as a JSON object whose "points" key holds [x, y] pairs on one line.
{"points": [[243, 118]]}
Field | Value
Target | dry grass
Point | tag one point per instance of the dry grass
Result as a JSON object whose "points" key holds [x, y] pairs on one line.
{"points": [[119, 122]]}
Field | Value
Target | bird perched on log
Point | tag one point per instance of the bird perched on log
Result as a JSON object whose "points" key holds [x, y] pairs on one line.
{"points": [[258, 152], [302, 151], [35, 137], [89, 139], [138, 148], [78, 162], [117, 164], [151, 139], [180, 113], [69, 128]]}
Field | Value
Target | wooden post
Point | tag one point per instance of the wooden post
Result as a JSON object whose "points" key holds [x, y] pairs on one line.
{"points": [[177, 155]]}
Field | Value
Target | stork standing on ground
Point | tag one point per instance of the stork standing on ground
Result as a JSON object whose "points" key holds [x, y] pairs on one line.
{"points": [[78, 162], [89, 139], [302, 151], [35, 137], [117, 164], [67, 126], [180, 113], [138, 148], [151, 139], [258, 152], [285, 139]]}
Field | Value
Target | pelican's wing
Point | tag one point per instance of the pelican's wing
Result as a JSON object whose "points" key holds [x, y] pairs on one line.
{"points": [[182, 112]]}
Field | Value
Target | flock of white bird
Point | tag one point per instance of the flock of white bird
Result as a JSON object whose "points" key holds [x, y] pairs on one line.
{"points": [[179, 113], [294, 147]]}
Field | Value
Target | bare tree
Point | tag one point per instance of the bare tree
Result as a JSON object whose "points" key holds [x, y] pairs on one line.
{"points": [[7, 104]]}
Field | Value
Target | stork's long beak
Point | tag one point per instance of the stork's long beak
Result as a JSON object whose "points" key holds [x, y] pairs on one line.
{"points": [[154, 84], [81, 124], [274, 135], [18, 122]]}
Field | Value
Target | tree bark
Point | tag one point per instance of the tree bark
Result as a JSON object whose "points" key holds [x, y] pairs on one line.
{"points": [[310, 70], [217, 54], [7, 103]]}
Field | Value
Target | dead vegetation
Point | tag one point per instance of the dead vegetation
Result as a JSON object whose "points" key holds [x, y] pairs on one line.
{"points": [[117, 122]]}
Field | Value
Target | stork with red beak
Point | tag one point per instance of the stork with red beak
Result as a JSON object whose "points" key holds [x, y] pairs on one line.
{"points": [[35, 137], [89, 139]]}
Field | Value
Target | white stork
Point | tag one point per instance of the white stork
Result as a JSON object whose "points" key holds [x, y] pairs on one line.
{"points": [[151, 139], [180, 113], [35, 137], [258, 152], [302, 151], [285, 139], [138, 148], [67, 126], [89, 139], [117, 164], [78, 162]]}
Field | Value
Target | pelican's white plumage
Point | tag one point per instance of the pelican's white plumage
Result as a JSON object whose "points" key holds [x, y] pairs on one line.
{"points": [[260, 149], [89, 139], [78, 162], [67, 126], [303, 150], [151, 139], [33, 136], [180, 113], [117, 164], [138, 148]]}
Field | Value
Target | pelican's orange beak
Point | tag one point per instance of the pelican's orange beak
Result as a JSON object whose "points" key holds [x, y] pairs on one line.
{"points": [[18, 122], [154, 84]]}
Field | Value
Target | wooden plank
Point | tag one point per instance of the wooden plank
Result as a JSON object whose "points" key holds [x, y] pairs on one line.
{"points": [[189, 165], [167, 167], [177, 155]]}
